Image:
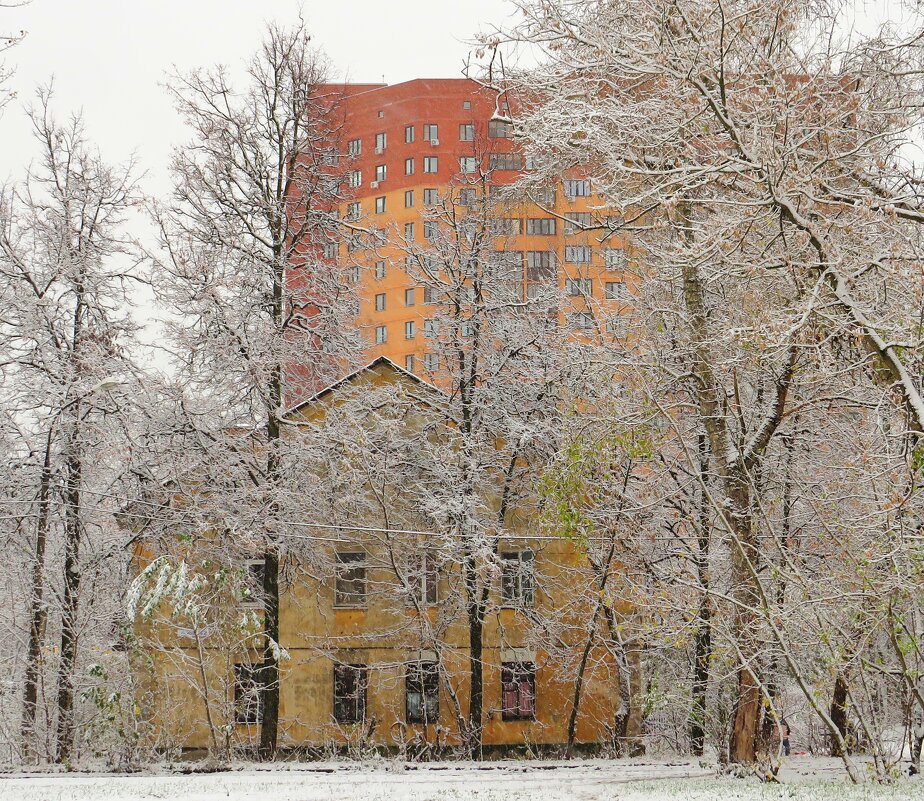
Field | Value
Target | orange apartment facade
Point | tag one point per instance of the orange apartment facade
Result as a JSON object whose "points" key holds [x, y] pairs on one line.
{"points": [[413, 142]]}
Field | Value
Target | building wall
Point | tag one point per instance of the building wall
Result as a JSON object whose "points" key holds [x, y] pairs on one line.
{"points": [[387, 634], [447, 103]]}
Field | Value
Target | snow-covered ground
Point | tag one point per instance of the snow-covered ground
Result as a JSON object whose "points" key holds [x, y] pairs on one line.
{"points": [[592, 780]]}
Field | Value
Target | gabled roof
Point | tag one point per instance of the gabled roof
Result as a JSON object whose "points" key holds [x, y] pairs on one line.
{"points": [[373, 366]]}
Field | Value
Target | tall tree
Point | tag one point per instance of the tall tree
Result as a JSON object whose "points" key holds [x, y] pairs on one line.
{"points": [[255, 199], [744, 142], [67, 263]]}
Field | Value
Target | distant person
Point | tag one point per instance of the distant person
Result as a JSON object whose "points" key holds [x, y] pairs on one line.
{"points": [[785, 727]]}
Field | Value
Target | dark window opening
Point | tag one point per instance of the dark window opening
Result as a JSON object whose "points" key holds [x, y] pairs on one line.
{"points": [[248, 698], [518, 578], [350, 587], [518, 691], [423, 693], [350, 683]]}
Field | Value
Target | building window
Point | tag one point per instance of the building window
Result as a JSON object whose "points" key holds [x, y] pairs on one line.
{"points": [[579, 287], [505, 226], [381, 334], [409, 297], [380, 205], [409, 199], [431, 133], [431, 362], [616, 325], [429, 326], [353, 211], [500, 129], [350, 683], [422, 685], [380, 301], [544, 197], [355, 178], [577, 254], [467, 197], [352, 275], [431, 164], [381, 172], [540, 265], [430, 296], [518, 691], [355, 147], [409, 231], [409, 362], [381, 141], [431, 197], [468, 164], [429, 229], [350, 578], [252, 591], [505, 161], [467, 132], [518, 578], [409, 166], [577, 221], [466, 104], [423, 578], [543, 226], [330, 250], [506, 264], [614, 259], [580, 321], [408, 134], [616, 290], [577, 188], [380, 270], [248, 700], [410, 329]]}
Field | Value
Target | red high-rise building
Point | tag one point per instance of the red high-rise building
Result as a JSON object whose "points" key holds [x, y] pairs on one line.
{"points": [[406, 141]]}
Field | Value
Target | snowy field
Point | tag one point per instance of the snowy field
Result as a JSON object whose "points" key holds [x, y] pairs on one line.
{"points": [[812, 780]]}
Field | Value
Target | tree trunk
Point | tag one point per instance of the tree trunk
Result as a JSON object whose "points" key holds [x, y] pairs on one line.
{"points": [[838, 713], [579, 681], [703, 640], [476, 663], [738, 518], [38, 613], [69, 633], [633, 734], [628, 723], [269, 671], [917, 739]]}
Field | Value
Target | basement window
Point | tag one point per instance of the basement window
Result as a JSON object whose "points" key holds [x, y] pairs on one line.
{"points": [[518, 691], [350, 684], [248, 700], [423, 693]]}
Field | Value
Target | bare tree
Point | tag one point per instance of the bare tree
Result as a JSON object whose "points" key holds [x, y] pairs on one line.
{"points": [[255, 200], [67, 263]]}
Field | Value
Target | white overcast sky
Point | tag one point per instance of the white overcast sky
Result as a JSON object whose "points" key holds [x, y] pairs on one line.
{"points": [[109, 57]]}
